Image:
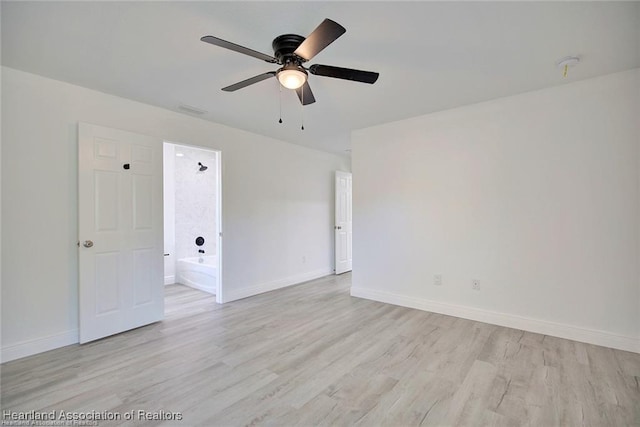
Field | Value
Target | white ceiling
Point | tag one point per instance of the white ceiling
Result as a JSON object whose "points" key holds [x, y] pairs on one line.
{"points": [[431, 56]]}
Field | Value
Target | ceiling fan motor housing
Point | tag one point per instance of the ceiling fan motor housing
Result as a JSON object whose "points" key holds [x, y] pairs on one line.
{"points": [[284, 46]]}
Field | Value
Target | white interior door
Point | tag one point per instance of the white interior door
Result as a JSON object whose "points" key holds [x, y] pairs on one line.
{"points": [[342, 227], [120, 231]]}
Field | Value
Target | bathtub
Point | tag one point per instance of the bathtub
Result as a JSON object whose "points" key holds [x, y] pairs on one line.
{"points": [[199, 273]]}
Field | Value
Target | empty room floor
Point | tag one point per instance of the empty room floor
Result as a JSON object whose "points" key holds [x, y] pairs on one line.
{"points": [[313, 355]]}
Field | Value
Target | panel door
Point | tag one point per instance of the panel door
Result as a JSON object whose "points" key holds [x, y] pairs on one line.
{"points": [[343, 223], [120, 231]]}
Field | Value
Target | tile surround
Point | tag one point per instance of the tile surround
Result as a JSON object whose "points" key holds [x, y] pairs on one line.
{"points": [[195, 201]]}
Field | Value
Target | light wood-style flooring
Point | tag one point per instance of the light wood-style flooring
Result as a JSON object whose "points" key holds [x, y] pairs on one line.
{"points": [[312, 355]]}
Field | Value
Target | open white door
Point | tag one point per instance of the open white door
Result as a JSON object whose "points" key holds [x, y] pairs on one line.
{"points": [[120, 231], [343, 222]]}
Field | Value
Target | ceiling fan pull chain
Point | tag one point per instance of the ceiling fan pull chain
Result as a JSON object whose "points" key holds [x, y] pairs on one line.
{"points": [[302, 108], [280, 88]]}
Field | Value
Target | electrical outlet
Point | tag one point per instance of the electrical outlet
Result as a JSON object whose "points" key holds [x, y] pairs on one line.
{"points": [[304, 259], [437, 280], [475, 284]]}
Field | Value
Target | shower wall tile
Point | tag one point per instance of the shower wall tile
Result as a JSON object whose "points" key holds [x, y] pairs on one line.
{"points": [[195, 201]]}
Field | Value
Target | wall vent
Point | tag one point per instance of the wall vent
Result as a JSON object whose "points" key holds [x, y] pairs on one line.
{"points": [[191, 110]]}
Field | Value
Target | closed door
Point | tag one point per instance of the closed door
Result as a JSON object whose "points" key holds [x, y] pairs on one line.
{"points": [[120, 231], [342, 227]]}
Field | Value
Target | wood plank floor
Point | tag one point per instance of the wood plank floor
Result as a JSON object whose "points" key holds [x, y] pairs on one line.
{"points": [[312, 355]]}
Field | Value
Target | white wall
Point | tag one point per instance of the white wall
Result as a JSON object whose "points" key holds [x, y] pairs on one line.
{"points": [[1, 133], [277, 203], [536, 195]]}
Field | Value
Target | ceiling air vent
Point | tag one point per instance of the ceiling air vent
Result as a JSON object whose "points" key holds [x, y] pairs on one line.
{"points": [[191, 110]]}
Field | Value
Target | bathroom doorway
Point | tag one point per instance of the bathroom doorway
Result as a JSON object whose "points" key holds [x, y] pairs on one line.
{"points": [[192, 218]]}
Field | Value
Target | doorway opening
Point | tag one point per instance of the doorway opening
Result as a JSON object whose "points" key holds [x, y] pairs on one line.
{"points": [[192, 218]]}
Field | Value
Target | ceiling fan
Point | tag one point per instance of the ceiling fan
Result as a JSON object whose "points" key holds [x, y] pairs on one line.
{"points": [[291, 51]]}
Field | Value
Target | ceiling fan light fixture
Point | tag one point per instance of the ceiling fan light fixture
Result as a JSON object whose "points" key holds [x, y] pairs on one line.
{"points": [[292, 77]]}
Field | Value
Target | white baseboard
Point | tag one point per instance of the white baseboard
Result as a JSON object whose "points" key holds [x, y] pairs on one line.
{"points": [[38, 345], [236, 294], [543, 327], [169, 280]]}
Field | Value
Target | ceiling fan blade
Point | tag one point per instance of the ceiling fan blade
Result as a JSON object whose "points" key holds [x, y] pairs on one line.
{"points": [[237, 48], [252, 80], [305, 94], [344, 73], [325, 34]]}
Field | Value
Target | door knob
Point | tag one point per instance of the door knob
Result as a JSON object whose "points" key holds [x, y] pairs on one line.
{"points": [[87, 243], [338, 227]]}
